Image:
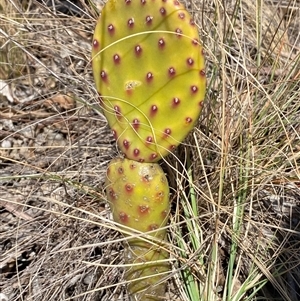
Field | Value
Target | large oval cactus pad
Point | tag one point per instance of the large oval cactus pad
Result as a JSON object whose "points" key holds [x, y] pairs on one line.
{"points": [[148, 68]]}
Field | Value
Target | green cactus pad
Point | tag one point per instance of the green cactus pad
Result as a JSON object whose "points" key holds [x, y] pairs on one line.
{"points": [[138, 194], [148, 68]]}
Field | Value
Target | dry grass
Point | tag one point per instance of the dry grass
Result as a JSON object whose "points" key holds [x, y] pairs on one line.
{"points": [[236, 203]]}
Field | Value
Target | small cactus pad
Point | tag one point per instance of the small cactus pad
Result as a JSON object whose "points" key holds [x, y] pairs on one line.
{"points": [[138, 194], [148, 67]]}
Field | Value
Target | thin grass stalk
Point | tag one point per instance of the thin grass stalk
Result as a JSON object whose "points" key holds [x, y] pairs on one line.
{"points": [[190, 284], [237, 222], [259, 7]]}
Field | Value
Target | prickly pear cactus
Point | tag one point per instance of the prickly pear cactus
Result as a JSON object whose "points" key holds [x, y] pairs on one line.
{"points": [[148, 68], [138, 194]]}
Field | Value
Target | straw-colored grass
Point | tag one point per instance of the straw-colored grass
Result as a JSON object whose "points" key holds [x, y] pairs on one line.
{"points": [[234, 226]]}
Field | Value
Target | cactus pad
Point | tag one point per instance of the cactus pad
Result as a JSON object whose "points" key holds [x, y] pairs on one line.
{"points": [[148, 68], [138, 194]]}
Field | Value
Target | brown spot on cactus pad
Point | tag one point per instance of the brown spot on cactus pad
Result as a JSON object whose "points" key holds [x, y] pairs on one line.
{"points": [[161, 43], [149, 139], [153, 157], [167, 132], [190, 61], [153, 110], [153, 227], [118, 113], [143, 209], [172, 71], [164, 214], [111, 194], [136, 152], [117, 59], [149, 77], [181, 15], [160, 196], [138, 50], [103, 76], [149, 20], [130, 22], [194, 89], [123, 217], [176, 102], [162, 11], [132, 165], [95, 43], [129, 187], [202, 73], [135, 124], [146, 178], [111, 29], [126, 144], [178, 32], [188, 120]]}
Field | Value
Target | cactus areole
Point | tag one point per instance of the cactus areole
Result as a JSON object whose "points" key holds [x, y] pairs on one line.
{"points": [[148, 67]]}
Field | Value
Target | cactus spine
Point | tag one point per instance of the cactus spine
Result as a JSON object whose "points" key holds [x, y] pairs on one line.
{"points": [[148, 67]]}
